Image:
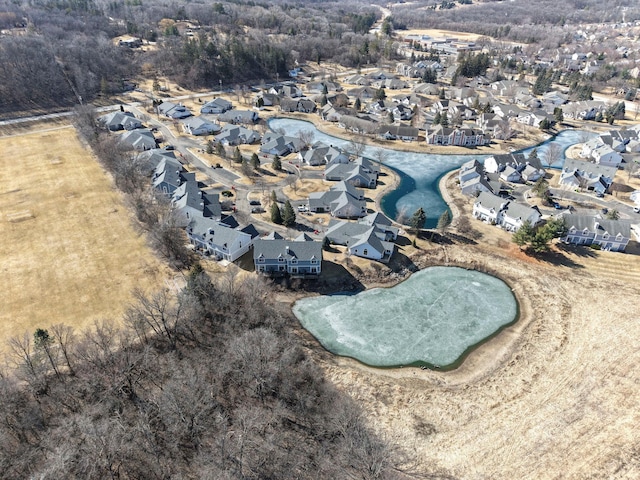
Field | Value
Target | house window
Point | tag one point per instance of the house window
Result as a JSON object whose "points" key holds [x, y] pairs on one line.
{"points": [[280, 259], [314, 261], [294, 270], [261, 268], [281, 268], [314, 270], [365, 252], [294, 260], [261, 259]]}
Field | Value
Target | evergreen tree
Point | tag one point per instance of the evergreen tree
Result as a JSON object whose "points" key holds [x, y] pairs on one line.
{"points": [[380, 94], [444, 119], [357, 105], [288, 215], [523, 236], [444, 221], [442, 94], [545, 124], [276, 164], [276, 216], [326, 243], [436, 119], [323, 100], [237, 155], [273, 197], [418, 220], [255, 161], [558, 115], [429, 76], [210, 147], [534, 154]]}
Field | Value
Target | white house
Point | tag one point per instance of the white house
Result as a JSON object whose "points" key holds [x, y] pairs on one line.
{"points": [[612, 235]]}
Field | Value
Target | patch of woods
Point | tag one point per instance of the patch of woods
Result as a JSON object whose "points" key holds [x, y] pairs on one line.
{"points": [[61, 53], [205, 382]]}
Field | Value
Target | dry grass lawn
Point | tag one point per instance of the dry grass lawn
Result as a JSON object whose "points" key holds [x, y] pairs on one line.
{"points": [[69, 252]]}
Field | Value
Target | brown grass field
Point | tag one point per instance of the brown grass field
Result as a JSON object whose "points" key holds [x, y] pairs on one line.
{"points": [[68, 249]]}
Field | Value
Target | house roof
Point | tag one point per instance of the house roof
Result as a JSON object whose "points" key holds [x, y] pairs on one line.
{"points": [[598, 225], [491, 201], [141, 139], [302, 250], [589, 168]]}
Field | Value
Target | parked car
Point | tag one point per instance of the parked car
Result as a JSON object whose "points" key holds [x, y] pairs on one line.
{"points": [[599, 194], [302, 208], [557, 206], [255, 202], [256, 210]]}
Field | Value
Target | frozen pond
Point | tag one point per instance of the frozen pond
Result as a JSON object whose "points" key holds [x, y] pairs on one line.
{"points": [[435, 317], [419, 173]]}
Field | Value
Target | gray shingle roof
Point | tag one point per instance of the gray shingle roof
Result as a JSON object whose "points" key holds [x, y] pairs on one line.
{"points": [[289, 249]]}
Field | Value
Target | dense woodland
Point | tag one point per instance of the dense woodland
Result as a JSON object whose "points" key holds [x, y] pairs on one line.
{"points": [[209, 382]]}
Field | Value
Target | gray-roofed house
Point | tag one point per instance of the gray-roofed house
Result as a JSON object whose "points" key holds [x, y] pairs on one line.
{"points": [[370, 237], [200, 126], [590, 176], [515, 214], [612, 235], [488, 208], [190, 202], [217, 239], [352, 173], [275, 256], [172, 110], [139, 139], [303, 105], [233, 135], [169, 175], [239, 116], [150, 159], [398, 132], [277, 144], [321, 154], [342, 201], [217, 106], [115, 121]]}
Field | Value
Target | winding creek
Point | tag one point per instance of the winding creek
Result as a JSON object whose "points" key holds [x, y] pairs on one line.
{"points": [[419, 172]]}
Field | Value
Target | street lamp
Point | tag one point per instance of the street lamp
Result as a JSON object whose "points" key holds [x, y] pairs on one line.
{"points": [[220, 82]]}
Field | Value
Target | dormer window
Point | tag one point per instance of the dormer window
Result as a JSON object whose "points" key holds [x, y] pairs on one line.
{"points": [[261, 258]]}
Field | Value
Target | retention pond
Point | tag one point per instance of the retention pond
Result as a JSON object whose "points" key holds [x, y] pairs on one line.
{"points": [[434, 318]]}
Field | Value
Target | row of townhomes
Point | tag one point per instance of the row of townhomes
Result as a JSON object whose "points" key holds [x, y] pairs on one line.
{"points": [[200, 213], [504, 213], [497, 170], [589, 176], [611, 235]]}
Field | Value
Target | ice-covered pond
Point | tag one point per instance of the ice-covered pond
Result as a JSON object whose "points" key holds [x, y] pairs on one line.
{"points": [[433, 318], [419, 173]]}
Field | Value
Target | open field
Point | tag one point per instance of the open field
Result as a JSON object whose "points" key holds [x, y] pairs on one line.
{"points": [[554, 396], [68, 250]]}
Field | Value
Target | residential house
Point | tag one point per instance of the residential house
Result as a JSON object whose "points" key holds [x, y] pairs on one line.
{"points": [[488, 208], [200, 126], [371, 237], [217, 106], [190, 202], [612, 235], [586, 175], [303, 105], [515, 214], [140, 139], [119, 120], [275, 256], [342, 201], [464, 137], [169, 174], [243, 117], [350, 173], [217, 239], [501, 212], [286, 90], [321, 154], [281, 145], [398, 132], [518, 161], [233, 135], [172, 110]]}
